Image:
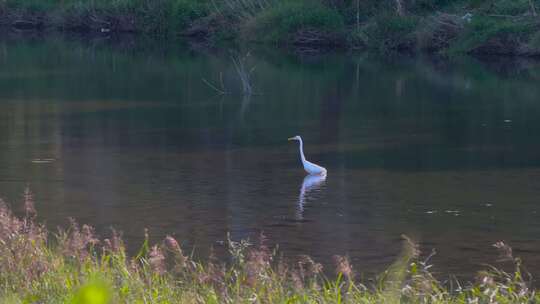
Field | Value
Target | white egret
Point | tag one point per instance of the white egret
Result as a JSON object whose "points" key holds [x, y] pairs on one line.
{"points": [[310, 167]]}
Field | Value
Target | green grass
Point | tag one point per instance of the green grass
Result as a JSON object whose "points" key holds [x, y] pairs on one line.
{"points": [[282, 21], [184, 12], [74, 266], [390, 31], [516, 7], [493, 32]]}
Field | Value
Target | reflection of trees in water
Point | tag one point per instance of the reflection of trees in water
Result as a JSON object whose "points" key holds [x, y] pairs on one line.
{"points": [[246, 100], [331, 106]]}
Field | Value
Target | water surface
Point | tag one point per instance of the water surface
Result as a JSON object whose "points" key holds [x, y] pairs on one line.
{"points": [[129, 135]]}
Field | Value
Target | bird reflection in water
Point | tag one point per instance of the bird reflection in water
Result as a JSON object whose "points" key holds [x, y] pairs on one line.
{"points": [[311, 185]]}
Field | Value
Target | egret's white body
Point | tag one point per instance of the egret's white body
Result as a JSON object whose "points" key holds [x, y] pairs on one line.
{"points": [[310, 167]]}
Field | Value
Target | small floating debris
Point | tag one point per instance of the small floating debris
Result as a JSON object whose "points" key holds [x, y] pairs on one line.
{"points": [[431, 211], [507, 121], [42, 160], [452, 212], [488, 204]]}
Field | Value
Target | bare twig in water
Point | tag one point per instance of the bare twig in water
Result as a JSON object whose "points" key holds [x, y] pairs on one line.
{"points": [[243, 73], [221, 91], [358, 15], [399, 8], [533, 8]]}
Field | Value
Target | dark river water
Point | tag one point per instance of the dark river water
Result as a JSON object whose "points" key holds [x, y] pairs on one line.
{"points": [[131, 135]]}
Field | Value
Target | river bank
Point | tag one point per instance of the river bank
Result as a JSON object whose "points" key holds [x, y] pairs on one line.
{"points": [[499, 27]]}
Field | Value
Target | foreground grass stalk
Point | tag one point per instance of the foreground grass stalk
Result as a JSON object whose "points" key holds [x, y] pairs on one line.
{"points": [[74, 266]]}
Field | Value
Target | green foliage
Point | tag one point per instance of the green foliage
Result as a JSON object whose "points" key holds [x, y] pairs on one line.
{"points": [[512, 8], [389, 32], [358, 38], [31, 5], [152, 16], [484, 30], [281, 21], [436, 33], [428, 6], [184, 12]]}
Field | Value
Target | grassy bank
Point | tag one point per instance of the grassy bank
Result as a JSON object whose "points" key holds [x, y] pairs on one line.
{"points": [[75, 266], [509, 27]]}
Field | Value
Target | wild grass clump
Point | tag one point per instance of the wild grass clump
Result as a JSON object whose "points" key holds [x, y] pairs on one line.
{"points": [[185, 12], [491, 35], [431, 5], [76, 266], [392, 32], [296, 22], [512, 8], [439, 31], [243, 10]]}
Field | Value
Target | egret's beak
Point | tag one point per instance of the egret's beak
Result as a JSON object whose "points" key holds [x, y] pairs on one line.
{"points": [[292, 138]]}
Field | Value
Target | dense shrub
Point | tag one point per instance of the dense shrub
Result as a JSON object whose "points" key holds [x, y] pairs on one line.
{"points": [[184, 12], [392, 32], [493, 35], [284, 20], [512, 8]]}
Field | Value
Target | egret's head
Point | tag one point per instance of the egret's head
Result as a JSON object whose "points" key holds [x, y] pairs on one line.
{"points": [[297, 137]]}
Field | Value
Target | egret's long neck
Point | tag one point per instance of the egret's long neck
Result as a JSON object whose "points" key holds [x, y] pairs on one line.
{"points": [[302, 151]]}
